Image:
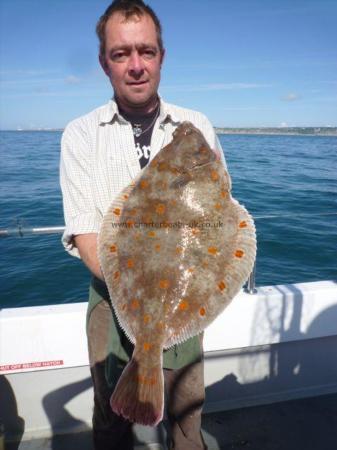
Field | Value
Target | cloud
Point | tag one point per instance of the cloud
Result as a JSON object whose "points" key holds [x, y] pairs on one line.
{"points": [[328, 99], [245, 108], [30, 77], [71, 79], [42, 90], [26, 72], [329, 82], [29, 81], [291, 97], [215, 87]]}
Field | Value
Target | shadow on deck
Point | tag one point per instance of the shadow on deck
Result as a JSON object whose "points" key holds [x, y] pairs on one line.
{"points": [[305, 424]]}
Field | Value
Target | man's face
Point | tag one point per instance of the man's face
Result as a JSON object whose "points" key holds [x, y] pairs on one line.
{"points": [[132, 61]]}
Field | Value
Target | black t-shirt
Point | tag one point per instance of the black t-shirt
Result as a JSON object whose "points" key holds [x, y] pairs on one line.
{"points": [[142, 126]]}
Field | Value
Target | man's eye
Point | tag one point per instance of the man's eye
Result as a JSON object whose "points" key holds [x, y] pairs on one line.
{"points": [[118, 56], [149, 54]]}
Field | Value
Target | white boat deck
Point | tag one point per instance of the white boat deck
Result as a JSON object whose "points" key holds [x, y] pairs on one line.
{"points": [[306, 424], [270, 375]]}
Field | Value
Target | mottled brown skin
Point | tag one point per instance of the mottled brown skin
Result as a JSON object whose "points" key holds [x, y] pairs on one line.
{"points": [[170, 270]]}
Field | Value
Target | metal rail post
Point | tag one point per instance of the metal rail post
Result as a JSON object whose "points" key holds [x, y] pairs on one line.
{"points": [[250, 287]]}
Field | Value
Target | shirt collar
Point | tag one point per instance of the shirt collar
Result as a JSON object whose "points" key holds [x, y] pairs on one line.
{"points": [[111, 113]]}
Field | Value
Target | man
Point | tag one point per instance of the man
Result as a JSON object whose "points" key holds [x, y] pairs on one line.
{"points": [[102, 152]]}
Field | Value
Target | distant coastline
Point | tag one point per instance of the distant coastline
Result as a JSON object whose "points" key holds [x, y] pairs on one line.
{"points": [[283, 131]]}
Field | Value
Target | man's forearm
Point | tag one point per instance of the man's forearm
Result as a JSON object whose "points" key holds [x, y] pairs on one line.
{"points": [[87, 248]]}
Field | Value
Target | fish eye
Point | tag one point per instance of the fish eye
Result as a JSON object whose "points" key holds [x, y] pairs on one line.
{"points": [[188, 131]]}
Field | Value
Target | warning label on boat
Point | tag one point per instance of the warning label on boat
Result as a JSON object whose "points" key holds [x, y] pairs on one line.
{"points": [[30, 365]]}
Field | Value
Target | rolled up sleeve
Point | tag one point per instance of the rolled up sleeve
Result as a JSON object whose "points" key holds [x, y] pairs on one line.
{"points": [[80, 213]]}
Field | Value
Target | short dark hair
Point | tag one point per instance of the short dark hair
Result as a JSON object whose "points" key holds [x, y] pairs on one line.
{"points": [[129, 8]]}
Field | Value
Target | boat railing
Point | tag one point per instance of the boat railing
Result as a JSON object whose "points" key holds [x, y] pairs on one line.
{"points": [[20, 230]]}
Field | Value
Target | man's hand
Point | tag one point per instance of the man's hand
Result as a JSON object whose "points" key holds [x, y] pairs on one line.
{"points": [[87, 248]]}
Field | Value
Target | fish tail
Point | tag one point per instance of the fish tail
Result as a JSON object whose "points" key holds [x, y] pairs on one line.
{"points": [[139, 394]]}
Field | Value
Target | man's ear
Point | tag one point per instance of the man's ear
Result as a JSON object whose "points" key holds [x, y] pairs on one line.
{"points": [[162, 57], [103, 64]]}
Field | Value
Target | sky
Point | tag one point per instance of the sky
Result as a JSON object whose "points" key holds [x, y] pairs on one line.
{"points": [[243, 63]]}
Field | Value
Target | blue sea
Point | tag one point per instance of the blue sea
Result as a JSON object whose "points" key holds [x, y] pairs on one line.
{"points": [[288, 183]]}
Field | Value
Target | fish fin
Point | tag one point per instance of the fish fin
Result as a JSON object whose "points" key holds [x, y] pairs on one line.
{"points": [[235, 274], [139, 394], [108, 261], [108, 231]]}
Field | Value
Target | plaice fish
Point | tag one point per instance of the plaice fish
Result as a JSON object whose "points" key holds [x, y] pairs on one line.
{"points": [[174, 248]]}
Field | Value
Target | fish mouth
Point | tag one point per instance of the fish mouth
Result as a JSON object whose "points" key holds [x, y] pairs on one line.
{"points": [[194, 166], [201, 165]]}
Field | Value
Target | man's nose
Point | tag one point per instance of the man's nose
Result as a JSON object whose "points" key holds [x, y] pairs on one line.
{"points": [[136, 64]]}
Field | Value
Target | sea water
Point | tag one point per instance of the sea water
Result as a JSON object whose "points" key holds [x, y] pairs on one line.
{"points": [[288, 183]]}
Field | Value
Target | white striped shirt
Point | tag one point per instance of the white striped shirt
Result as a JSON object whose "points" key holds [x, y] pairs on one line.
{"points": [[99, 159]]}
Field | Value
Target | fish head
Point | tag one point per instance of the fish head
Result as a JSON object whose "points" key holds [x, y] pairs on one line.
{"points": [[189, 150]]}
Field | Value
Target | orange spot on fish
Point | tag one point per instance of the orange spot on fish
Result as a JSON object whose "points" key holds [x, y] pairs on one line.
{"points": [[117, 211], [135, 304], [146, 380], [151, 233], [144, 184], [160, 208], [239, 253], [147, 219], [202, 311], [130, 223], [147, 318], [116, 275], [147, 346], [195, 231], [183, 305], [224, 194], [214, 175], [160, 325], [113, 248], [179, 250], [174, 170], [130, 263], [191, 269], [162, 166], [125, 196], [164, 284], [157, 247], [221, 285], [243, 224], [212, 250], [217, 206]]}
